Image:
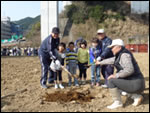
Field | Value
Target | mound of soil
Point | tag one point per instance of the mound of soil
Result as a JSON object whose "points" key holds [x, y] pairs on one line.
{"points": [[61, 96]]}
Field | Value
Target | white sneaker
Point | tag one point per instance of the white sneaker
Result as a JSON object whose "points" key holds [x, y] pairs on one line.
{"points": [[61, 86], [56, 86], [77, 85], [137, 99], [116, 104], [104, 86]]}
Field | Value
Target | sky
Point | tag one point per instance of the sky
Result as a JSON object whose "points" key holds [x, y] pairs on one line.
{"points": [[17, 10]]}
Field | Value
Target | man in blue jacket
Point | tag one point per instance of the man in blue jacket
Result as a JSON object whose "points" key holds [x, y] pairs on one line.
{"points": [[47, 54], [106, 70]]}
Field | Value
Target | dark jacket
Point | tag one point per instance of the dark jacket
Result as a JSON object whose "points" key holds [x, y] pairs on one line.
{"points": [[137, 73], [106, 52], [48, 46]]}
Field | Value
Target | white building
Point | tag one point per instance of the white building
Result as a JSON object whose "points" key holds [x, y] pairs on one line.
{"points": [[5, 28], [139, 7]]}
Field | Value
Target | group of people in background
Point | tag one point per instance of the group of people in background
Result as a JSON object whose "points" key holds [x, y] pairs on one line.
{"points": [[102, 54], [16, 51]]}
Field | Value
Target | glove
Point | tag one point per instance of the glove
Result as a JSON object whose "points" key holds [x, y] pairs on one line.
{"points": [[63, 56], [99, 59]]}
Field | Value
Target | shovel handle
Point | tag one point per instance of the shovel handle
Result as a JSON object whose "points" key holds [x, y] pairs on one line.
{"points": [[68, 72]]}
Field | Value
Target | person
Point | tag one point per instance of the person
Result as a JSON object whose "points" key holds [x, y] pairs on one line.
{"points": [[7, 51], [71, 63], [105, 41], [128, 77], [56, 70], [47, 54], [25, 51], [29, 51], [94, 52], [22, 51], [77, 43], [83, 60], [18, 51], [14, 51]]}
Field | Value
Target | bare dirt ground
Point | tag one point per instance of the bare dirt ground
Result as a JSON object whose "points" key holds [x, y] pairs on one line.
{"points": [[19, 73]]}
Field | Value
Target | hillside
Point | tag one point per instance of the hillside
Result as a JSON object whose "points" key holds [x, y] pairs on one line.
{"points": [[27, 23], [118, 22]]}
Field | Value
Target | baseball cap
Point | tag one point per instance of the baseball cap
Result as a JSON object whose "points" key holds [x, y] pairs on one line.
{"points": [[100, 31], [116, 42], [55, 30]]}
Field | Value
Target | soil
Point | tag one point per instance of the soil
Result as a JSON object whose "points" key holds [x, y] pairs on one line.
{"points": [[19, 73], [69, 96]]}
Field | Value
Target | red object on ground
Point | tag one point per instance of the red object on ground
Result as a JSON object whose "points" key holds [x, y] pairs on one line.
{"points": [[137, 47]]}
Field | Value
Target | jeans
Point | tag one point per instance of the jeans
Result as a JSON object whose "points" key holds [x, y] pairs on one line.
{"points": [[95, 70], [107, 70], [72, 69]]}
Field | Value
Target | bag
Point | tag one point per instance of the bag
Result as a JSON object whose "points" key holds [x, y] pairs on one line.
{"points": [[55, 66]]}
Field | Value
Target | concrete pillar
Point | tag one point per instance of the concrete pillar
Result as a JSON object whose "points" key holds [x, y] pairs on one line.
{"points": [[49, 17]]}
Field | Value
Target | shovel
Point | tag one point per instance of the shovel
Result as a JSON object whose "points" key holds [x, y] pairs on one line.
{"points": [[71, 75]]}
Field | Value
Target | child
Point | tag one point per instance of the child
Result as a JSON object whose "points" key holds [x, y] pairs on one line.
{"points": [[71, 62], [83, 58], [61, 56], [94, 52]]}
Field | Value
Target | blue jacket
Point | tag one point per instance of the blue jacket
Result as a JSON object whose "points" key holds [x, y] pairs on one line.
{"points": [[48, 46], [106, 52], [94, 53]]}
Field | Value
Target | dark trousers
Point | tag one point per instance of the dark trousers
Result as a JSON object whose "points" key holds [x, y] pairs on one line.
{"points": [[45, 67], [82, 69], [130, 86], [51, 77], [57, 75], [106, 71]]}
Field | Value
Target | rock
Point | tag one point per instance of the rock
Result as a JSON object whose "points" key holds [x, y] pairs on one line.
{"points": [[73, 102], [76, 110], [41, 102], [35, 70], [100, 96], [97, 109]]}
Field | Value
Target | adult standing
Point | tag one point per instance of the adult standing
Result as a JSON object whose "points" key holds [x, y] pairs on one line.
{"points": [[47, 54], [105, 41], [128, 77]]}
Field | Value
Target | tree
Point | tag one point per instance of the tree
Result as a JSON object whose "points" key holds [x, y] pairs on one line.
{"points": [[96, 12]]}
